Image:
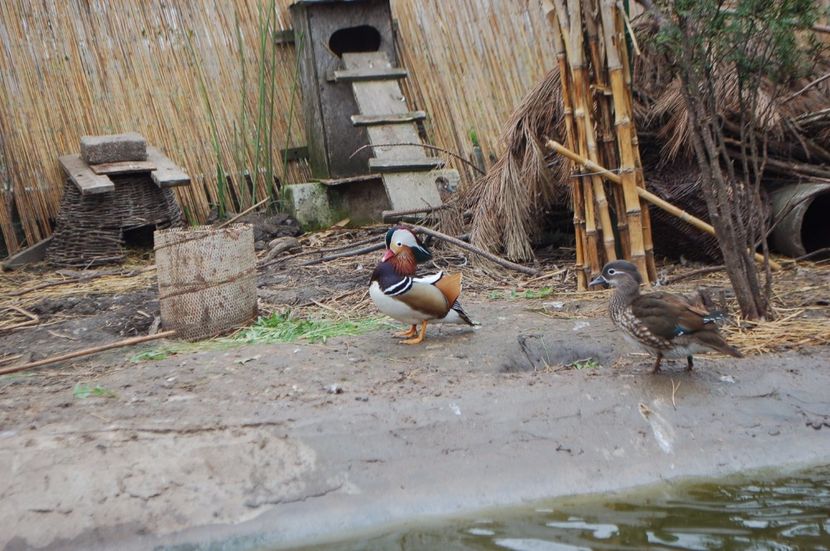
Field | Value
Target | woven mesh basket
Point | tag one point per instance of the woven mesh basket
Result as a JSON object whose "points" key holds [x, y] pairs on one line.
{"points": [[206, 278]]}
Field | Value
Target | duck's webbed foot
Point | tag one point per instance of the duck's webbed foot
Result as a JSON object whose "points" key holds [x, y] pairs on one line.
{"points": [[411, 332], [419, 339]]}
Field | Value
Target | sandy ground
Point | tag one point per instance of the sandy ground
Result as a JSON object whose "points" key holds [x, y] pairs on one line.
{"points": [[279, 445]]}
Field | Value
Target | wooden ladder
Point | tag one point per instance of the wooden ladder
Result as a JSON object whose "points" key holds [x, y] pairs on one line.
{"points": [[383, 111]]}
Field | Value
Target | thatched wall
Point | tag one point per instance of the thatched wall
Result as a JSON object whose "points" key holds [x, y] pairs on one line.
{"points": [[76, 67]]}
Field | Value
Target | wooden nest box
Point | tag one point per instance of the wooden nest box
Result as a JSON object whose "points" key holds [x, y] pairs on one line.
{"points": [[118, 187], [352, 98]]}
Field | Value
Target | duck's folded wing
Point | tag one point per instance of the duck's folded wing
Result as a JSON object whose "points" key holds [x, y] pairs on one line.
{"points": [[667, 316], [427, 299]]}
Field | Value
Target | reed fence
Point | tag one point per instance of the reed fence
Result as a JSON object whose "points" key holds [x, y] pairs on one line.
{"points": [[196, 78]]}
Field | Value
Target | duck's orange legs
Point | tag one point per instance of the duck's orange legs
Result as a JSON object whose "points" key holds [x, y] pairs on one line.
{"points": [[411, 332], [420, 337]]}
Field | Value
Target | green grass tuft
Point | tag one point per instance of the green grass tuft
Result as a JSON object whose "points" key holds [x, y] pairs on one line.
{"points": [[83, 391], [282, 328], [530, 294], [587, 363]]}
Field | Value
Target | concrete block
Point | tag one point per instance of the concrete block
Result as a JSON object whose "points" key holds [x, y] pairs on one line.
{"points": [[113, 148], [309, 204]]}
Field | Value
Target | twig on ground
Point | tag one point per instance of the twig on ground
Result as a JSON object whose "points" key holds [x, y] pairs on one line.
{"points": [[812, 254], [243, 213], [473, 249], [674, 392], [693, 273], [87, 352], [82, 279], [319, 251], [391, 215], [351, 252]]}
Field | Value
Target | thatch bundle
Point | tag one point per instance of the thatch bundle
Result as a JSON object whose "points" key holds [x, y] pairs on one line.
{"points": [[520, 183], [795, 119], [508, 204]]}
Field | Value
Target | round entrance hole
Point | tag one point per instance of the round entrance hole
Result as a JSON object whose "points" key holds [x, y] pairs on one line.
{"points": [[363, 38]]}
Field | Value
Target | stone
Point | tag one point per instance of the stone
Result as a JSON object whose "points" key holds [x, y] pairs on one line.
{"points": [[309, 204], [113, 148]]}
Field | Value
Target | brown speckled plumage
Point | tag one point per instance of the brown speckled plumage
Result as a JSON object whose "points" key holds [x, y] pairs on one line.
{"points": [[663, 324]]}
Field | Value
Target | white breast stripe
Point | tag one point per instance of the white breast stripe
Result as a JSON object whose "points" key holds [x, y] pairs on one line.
{"points": [[399, 288]]}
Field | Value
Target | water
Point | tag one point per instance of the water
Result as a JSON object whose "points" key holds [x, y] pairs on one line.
{"points": [[791, 512]]}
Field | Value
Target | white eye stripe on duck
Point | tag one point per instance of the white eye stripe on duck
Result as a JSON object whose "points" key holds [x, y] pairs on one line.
{"points": [[399, 287]]}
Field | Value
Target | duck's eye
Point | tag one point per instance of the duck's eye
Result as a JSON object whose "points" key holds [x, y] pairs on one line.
{"points": [[399, 243], [612, 271]]}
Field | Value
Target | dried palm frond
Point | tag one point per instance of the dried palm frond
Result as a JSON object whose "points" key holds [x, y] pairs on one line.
{"points": [[507, 200]]}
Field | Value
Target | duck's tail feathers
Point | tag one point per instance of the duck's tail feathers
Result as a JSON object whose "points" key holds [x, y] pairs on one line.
{"points": [[714, 316], [456, 307], [715, 341]]}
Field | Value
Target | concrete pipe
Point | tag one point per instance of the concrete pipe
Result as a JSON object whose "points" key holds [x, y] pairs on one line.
{"points": [[801, 213]]}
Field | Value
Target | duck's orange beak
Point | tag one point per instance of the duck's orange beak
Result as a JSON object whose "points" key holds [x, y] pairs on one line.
{"points": [[387, 255]]}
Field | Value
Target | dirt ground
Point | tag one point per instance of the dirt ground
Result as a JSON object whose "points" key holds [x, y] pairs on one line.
{"points": [[274, 445]]}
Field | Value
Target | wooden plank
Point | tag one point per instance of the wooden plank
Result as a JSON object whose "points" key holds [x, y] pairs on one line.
{"points": [[405, 169], [294, 153], [405, 165], [29, 255], [412, 190], [370, 74], [383, 98], [167, 173], [123, 167], [82, 176], [350, 180], [396, 118]]}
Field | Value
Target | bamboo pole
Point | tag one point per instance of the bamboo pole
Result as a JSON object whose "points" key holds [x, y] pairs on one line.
{"points": [[622, 122], [594, 193], [577, 200], [645, 194], [648, 241], [605, 128]]}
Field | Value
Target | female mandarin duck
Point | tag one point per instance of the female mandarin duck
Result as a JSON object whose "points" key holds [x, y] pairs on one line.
{"points": [[663, 324], [409, 299]]}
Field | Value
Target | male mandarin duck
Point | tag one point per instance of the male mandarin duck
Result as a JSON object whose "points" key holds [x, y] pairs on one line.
{"points": [[664, 324], [409, 299]]}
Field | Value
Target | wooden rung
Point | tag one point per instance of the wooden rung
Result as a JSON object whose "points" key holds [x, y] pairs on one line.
{"points": [[123, 167], [405, 165], [397, 118], [167, 173], [358, 75], [82, 176]]}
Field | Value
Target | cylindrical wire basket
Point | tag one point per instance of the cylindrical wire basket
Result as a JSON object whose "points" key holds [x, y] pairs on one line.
{"points": [[206, 279]]}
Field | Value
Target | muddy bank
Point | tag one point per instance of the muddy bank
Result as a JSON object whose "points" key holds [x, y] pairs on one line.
{"points": [[279, 445]]}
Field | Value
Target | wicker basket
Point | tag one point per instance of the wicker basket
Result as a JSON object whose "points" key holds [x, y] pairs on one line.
{"points": [[206, 278]]}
